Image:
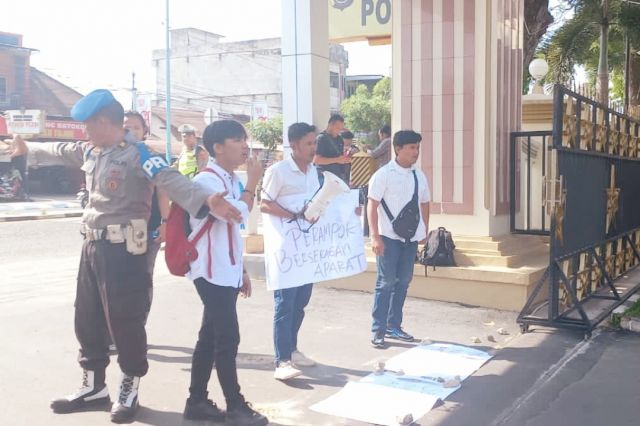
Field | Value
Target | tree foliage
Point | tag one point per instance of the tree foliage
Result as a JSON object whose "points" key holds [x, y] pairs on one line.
{"points": [[367, 110], [576, 42], [268, 132]]}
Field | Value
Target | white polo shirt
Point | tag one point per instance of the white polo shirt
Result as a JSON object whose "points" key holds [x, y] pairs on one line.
{"points": [[285, 183], [395, 185], [223, 242]]}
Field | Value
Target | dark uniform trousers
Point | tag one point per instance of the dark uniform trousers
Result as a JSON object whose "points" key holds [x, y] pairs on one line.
{"points": [[217, 344], [112, 296]]}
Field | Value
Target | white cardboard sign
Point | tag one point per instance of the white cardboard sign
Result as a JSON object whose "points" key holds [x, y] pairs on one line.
{"points": [[330, 249]]}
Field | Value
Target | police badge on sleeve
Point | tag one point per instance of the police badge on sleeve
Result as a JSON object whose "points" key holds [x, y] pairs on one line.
{"points": [[151, 162]]}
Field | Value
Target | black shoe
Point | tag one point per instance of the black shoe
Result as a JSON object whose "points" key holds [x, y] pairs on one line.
{"points": [[126, 405], [203, 410], [399, 334], [243, 414], [378, 340], [92, 395]]}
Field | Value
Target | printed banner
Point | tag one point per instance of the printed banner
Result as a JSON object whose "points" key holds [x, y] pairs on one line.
{"points": [[297, 253]]}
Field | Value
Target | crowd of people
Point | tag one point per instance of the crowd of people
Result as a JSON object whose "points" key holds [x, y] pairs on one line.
{"points": [[123, 225]]}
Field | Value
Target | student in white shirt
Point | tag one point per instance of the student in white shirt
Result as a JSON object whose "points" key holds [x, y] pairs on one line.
{"points": [[218, 276], [395, 256], [285, 185]]}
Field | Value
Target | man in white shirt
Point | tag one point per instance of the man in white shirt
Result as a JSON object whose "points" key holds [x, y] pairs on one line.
{"points": [[285, 187], [219, 276], [394, 185]]}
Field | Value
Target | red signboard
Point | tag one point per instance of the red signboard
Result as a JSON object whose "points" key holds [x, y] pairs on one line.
{"points": [[59, 129]]}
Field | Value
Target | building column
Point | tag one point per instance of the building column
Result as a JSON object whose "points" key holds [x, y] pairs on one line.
{"points": [[457, 78], [305, 63]]}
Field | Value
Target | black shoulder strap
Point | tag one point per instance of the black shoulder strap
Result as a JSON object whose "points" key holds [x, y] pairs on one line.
{"points": [[415, 188], [386, 209]]}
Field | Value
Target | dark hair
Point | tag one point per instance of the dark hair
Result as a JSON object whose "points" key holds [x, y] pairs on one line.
{"points": [[218, 131], [335, 117], [385, 130], [406, 137], [112, 112], [136, 114], [347, 135], [299, 130]]}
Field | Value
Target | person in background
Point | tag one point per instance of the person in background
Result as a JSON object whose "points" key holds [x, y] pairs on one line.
{"points": [[18, 153], [286, 185], [330, 155], [382, 153], [193, 157], [135, 123], [219, 276], [394, 184]]}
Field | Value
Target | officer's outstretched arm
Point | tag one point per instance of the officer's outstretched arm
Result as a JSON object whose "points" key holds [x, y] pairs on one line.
{"points": [[192, 197], [69, 154]]}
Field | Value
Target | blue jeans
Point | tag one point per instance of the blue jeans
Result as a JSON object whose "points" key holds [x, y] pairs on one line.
{"points": [[395, 270], [287, 319]]}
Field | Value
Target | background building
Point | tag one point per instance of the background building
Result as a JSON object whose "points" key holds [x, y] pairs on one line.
{"points": [[231, 77]]}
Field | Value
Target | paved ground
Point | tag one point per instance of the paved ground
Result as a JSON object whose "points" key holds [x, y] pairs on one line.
{"points": [[542, 378]]}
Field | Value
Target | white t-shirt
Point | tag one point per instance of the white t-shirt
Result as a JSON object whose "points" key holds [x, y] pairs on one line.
{"points": [[223, 242], [395, 185], [285, 183]]}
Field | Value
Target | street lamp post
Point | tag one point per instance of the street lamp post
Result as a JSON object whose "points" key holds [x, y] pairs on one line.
{"points": [[168, 86]]}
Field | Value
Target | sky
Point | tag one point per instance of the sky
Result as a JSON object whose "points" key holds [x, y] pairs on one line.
{"points": [[89, 44]]}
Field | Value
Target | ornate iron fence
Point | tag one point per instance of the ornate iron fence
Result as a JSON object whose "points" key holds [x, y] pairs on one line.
{"points": [[592, 195]]}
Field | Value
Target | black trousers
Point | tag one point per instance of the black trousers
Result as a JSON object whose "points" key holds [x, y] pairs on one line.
{"points": [[112, 298], [218, 342]]}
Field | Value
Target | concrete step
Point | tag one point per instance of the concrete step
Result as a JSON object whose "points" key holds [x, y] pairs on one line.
{"points": [[465, 258], [506, 243]]}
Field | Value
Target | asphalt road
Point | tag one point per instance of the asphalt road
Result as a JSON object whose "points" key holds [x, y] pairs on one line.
{"points": [[542, 378]]}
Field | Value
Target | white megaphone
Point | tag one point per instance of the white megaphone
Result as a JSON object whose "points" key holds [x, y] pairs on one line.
{"points": [[331, 188]]}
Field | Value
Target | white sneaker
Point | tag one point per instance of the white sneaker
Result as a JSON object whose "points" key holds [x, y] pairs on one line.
{"points": [[285, 371], [300, 360]]}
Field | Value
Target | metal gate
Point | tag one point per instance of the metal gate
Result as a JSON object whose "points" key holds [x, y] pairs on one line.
{"points": [[592, 196]]}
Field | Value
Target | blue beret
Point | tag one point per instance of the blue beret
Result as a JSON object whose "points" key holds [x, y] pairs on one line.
{"points": [[88, 106]]}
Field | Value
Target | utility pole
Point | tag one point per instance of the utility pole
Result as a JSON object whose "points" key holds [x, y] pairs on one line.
{"points": [[603, 65], [134, 92], [168, 83]]}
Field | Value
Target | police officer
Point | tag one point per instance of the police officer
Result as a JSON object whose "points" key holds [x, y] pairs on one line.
{"points": [[193, 157], [113, 281]]}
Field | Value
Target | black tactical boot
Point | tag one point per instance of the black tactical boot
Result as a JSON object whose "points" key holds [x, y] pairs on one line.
{"points": [[241, 413], [126, 404], [205, 409], [92, 394]]}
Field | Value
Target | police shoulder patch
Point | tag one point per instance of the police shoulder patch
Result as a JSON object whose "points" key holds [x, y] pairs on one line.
{"points": [[150, 162]]}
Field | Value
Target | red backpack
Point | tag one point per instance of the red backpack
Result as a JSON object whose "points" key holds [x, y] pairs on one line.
{"points": [[179, 250]]}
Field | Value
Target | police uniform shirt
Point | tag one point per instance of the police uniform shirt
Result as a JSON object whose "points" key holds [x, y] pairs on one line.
{"points": [[396, 185], [284, 180], [120, 180], [223, 243]]}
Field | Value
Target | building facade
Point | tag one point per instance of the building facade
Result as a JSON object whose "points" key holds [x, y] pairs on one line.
{"points": [[231, 77]]}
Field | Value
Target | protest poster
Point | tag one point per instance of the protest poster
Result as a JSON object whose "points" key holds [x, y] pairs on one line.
{"points": [[298, 253]]}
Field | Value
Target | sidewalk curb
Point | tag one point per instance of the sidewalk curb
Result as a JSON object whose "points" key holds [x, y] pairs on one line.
{"points": [[630, 324], [19, 218], [626, 323]]}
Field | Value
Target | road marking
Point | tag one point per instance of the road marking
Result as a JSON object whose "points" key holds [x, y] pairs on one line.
{"points": [[546, 377]]}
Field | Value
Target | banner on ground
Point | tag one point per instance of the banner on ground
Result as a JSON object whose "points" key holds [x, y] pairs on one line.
{"points": [[297, 253]]}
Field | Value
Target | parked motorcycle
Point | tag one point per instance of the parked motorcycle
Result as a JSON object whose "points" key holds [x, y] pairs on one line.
{"points": [[83, 196]]}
